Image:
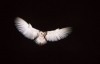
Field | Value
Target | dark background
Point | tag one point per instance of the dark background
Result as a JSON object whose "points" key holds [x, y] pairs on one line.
{"points": [[81, 46]]}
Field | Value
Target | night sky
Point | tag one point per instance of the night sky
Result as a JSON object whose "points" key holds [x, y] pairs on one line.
{"points": [[81, 46]]}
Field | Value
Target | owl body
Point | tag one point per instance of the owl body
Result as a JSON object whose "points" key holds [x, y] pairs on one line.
{"points": [[40, 40]]}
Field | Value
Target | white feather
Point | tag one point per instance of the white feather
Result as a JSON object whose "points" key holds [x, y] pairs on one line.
{"points": [[26, 29], [58, 34], [40, 40]]}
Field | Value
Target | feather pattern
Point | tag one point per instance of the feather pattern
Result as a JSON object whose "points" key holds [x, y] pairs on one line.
{"points": [[58, 34], [26, 29]]}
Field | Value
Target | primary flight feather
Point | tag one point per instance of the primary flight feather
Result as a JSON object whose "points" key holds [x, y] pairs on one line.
{"points": [[40, 37]]}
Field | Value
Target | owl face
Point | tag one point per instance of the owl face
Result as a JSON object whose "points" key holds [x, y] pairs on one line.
{"points": [[41, 33]]}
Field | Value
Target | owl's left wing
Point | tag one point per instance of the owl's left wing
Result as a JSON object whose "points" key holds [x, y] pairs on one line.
{"points": [[58, 34]]}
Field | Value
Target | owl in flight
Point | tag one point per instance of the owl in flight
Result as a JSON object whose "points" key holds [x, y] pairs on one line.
{"points": [[40, 37]]}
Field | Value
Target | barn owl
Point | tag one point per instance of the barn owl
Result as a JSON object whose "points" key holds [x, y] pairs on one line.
{"points": [[38, 36]]}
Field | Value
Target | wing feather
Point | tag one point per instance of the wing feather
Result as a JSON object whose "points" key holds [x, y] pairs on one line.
{"points": [[26, 29], [58, 34]]}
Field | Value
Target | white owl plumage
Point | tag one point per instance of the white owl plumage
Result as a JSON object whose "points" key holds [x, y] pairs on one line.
{"points": [[40, 37]]}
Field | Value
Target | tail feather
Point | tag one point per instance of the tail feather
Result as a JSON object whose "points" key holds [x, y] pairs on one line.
{"points": [[40, 40]]}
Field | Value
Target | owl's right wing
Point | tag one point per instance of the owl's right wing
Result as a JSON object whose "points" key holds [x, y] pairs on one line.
{"points": [[58, 34], [26, 29]]}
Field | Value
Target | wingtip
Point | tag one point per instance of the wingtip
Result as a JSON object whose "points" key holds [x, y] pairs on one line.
{"points": [[17, 18], [69, 29]]}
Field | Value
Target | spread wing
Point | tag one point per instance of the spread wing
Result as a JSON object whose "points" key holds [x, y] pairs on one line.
{"points": [[26, 29], [58, 34]]}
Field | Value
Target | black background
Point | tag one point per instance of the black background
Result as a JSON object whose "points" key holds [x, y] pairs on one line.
{"points": [[81, 46]]}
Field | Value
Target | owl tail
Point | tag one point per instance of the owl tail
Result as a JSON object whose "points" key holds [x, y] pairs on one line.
{"points": [[40, 41]]}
